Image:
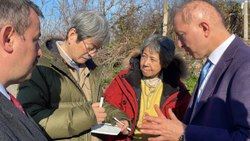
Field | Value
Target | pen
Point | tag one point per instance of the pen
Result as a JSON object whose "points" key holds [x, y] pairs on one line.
{"points": [[121, 123], [101, 102]]}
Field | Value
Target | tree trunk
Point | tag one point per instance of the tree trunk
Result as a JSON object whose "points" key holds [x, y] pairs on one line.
{"points": [[165, 18]]}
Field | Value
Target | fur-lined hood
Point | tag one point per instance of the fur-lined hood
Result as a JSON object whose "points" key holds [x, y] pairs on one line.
{"points": [[177, 65]]}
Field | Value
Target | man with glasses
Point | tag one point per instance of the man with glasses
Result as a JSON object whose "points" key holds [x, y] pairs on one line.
{"points": [[65, 89]]}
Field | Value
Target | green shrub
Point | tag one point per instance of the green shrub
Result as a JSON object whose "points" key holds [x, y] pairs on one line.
{"points": [[190, 83]]}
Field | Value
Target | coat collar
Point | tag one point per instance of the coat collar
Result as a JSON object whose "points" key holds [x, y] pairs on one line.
{"points": [[52, 58], [51, 46], [170, 79]]}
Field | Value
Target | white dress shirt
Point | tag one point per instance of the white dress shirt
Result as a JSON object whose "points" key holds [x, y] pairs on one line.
{"points": [[214, 57], [4, 92]]}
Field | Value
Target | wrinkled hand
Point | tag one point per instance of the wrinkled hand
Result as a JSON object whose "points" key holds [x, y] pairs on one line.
{"points": [[99, 112], [123, 127], [166, 129]]}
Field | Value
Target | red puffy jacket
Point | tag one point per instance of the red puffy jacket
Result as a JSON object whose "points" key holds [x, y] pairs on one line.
{"points": [[124, 93]]}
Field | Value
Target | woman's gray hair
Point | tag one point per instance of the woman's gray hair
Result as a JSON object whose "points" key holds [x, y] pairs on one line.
{"points": [[161, 44], [90, 24], [16, 13]]}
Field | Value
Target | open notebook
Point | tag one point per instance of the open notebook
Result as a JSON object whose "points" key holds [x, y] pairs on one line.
{"points": [[106, 128]]}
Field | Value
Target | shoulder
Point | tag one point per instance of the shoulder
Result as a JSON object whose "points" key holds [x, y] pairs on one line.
{"points": [[47, 57], [50, 53], [238, 49], [123, 72]]}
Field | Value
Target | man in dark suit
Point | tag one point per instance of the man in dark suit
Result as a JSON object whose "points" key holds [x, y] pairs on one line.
{"points": [[19, 50], [219, 109]]}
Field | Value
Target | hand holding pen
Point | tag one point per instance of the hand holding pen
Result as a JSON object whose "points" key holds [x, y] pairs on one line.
{"points": [[121, 124], [99, 111], [124, 125]]}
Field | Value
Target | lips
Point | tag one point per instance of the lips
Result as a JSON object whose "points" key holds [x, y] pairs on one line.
{"points": [[145, 70], [86, 56]]}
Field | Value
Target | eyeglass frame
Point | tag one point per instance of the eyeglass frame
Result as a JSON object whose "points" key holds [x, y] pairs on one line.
{"points": [[93, 50]]}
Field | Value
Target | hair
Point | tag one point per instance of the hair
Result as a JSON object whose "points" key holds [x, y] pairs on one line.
{"points": [[163, 45], [170, 63], [186, 10], [90, 24], [16, 13]]}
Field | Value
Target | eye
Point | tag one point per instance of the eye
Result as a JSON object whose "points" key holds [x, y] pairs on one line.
{"points": [[154, 60], [143, 56], [92, 49], [181, 36], [36, 40]]}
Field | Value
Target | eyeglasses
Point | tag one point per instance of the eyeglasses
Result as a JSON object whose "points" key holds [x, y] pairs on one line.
{"points": [[90, 50]]}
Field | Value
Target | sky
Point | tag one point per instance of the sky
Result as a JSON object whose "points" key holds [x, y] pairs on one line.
{"points": [[48, 7]]}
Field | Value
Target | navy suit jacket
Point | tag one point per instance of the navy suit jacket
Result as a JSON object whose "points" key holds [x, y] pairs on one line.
{"points": [[17, 126], [223, 113]]}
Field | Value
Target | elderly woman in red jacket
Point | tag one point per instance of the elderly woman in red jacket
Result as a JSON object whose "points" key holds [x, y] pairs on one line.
{"points": [[153, 78]]}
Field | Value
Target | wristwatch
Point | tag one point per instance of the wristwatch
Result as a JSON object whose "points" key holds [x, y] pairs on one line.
{"points": [[181, 138]]}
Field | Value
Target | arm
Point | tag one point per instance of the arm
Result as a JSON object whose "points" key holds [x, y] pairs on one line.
{"points": [[165, 129], [113, 97], [67, 120], [114, 112], [238, 103], [4, 136], [237, 100]]}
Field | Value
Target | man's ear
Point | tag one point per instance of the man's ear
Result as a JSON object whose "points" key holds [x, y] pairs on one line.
{"points": [[205, 28], [72, 34], [7, 38]]}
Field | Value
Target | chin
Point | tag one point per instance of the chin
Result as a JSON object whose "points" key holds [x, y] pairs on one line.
{"points": [[197, 57], [147, 75], [82, 61]]}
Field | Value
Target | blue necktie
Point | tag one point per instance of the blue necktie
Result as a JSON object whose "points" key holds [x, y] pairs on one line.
{"points": [[203, 74], [204, 71]]}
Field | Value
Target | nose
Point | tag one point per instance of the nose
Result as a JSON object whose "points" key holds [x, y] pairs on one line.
{"points": [[91, 54], [179, 43], [147, 62], [39, 51]]}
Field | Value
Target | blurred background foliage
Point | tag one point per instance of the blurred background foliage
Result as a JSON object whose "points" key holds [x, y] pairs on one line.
{"points": [[131, 21]]}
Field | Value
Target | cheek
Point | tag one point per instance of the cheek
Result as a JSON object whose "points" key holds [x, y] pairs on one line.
{"points": [[27, 51], [30, 57], [92, 54], [156, 68], [141, 64], [76, 54]]}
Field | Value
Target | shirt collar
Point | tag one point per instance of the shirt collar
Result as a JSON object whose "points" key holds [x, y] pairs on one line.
{"points": [[215, 56], [4, 92], [66, 57]]}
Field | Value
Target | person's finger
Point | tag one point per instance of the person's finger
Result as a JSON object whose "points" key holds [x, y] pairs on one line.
{"points": [[172, 115], [159, 138], [158, 111], [150, 126], [123, 127], [95, 105], [151, 120], [151, 131]]}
